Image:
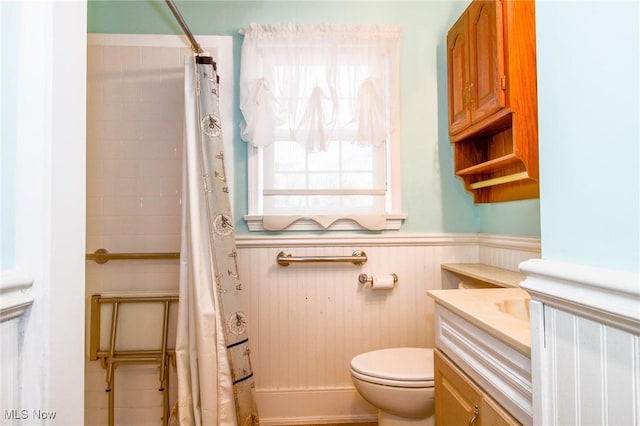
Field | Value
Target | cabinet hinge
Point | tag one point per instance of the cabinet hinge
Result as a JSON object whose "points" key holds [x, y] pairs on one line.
{"points": [[503, 82]]}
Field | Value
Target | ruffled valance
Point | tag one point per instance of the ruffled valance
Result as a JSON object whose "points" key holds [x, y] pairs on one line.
{"points": [[314, 84]]}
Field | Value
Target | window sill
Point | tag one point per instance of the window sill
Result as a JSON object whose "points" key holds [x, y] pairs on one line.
{"points": [[393, 222]]}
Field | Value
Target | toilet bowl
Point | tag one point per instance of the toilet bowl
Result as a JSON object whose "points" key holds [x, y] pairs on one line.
{"points": [[399, 383]]}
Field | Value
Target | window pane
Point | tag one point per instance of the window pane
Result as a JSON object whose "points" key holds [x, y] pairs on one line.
{"points": [[357, 157], [324, 180], [288, 204], [357, 180], [290, 180], [287, 156], [325, 160], [324, 204], [346, 165]]}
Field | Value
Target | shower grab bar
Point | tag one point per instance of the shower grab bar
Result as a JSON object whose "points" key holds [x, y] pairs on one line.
{"points": [[111, 358], [285, 258], [102, 256]]}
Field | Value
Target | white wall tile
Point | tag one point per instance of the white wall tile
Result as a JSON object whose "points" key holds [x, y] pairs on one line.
{"points": [[121, 55], [120, 91], [161, 55]]}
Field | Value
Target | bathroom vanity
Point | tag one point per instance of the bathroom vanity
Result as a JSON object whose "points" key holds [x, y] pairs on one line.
{"points": [[482, 356]]}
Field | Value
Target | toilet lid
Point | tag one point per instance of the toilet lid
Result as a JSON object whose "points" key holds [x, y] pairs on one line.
{"points": [[414, 366]]}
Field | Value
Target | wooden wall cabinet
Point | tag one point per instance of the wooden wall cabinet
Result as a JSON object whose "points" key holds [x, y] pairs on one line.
{"points": [[493, 112], [459, 401]]}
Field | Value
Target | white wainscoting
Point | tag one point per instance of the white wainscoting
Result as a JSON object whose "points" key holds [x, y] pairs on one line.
{"points": [[306, 321], [504, 251], [15, 300], [585, 339]]}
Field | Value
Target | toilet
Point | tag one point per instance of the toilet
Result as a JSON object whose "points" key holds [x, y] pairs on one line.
{"points": [[399, 383]]}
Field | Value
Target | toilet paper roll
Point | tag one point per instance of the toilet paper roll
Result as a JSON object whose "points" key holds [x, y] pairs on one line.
{"points": [[383, 282]]}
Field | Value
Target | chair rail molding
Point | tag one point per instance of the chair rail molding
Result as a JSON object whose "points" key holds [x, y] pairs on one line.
{"points": [[391, 239], [608, 296], [15, 295]]}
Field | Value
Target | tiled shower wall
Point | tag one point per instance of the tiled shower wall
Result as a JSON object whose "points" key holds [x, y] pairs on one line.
{"points": [[134, 173], [134, 150], [305, 321]]}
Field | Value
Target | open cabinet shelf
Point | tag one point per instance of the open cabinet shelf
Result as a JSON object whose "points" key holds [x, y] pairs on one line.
{"points": [[490, 165]]}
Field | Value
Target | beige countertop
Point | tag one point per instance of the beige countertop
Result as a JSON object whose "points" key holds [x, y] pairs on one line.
{"points": [[487, 273], [481, 308]]}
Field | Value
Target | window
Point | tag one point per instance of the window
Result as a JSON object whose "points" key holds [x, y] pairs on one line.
{"points": [[321, 108]]}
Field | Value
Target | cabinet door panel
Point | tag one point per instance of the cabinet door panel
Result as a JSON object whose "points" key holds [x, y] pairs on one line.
{"points": [[493, 415], [455, 408], [457, 72], [456, 397], [486, 59]]}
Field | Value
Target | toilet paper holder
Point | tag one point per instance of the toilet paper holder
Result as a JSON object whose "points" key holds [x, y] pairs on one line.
{"points": [[368, 279]]}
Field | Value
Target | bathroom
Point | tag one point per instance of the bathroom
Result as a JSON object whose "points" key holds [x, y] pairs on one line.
{"points": [[323, 313]]}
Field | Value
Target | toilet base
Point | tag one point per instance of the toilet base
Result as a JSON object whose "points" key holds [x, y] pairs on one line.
{"points": [[387, 419]]}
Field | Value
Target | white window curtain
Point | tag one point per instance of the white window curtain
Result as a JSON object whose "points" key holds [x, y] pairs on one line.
{"points": [[320, 83]]}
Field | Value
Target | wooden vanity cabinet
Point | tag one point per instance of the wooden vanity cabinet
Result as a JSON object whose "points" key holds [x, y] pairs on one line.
{"points": [[460, 402], [492, 94]]}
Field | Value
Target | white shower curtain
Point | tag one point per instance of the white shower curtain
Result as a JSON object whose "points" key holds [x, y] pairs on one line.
{"points": [[215, 380]]}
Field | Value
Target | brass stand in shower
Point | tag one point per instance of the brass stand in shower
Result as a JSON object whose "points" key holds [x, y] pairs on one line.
{"points": [[111, 358]]}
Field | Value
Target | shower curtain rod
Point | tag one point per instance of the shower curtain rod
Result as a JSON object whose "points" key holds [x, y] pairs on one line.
{"points": [[194, 44]]}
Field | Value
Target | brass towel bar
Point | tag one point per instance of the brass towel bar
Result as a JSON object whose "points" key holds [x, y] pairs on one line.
{"points": [[285, 258], [102, 256]]}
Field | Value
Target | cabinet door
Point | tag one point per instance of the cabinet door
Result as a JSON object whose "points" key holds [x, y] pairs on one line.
{"points": [[457, 399], [491, 414], [486, 59], [458, 75]]}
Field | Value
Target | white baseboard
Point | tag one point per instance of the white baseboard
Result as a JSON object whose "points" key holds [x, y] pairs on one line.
{"points": [[315, 406]]}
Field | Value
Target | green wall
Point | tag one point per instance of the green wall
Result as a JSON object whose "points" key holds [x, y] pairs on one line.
{"points": [[433, 198], [589, 92]]}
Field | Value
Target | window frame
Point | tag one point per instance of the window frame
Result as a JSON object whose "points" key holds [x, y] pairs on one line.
{"points": [[255, 80]]}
